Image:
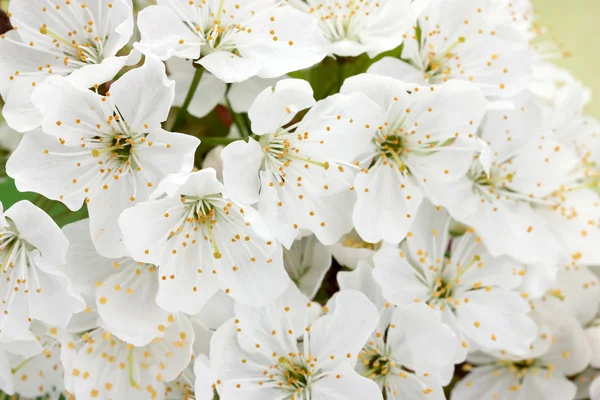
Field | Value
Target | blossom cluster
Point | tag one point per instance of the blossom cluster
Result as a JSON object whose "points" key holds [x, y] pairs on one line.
{"points": [[296, 200]]}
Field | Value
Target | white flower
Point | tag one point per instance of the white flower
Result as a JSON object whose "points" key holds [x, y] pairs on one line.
{"points": [[300, 174], [560, 350], [233, 41], [41, 374], [77, 39], [124, 291], [258, 355], [202, 241], [354, 28], [456, 40], [410, 348], [32, 248], [427, 135], [306, 263], [106, 367], [503, 192], [107, 151], [471, 290]]}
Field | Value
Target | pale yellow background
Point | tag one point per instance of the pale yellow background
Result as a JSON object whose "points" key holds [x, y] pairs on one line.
{"points": [[576, 23]]}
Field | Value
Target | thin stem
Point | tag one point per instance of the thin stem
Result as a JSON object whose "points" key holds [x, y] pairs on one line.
{"points": [[188, 99]]}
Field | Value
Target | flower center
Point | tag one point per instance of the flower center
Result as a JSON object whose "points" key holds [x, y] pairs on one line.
{"points": [[295, 374], [120, 147], [438, 70], [89, 49], [202, 214], [282, 153], [343, 21]]}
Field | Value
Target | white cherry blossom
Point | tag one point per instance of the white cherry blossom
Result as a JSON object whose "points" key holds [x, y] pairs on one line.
{"points": [[76, 39], [410, 349], [299, 172], [257, 355], [353, 28], [427, 135], [108, 151], [560, 350], [457, 40], [41, 374], [32, 248], [470, 289], [503, 193], [233, 41], [124, 291], [202, 241], [106, 365]]}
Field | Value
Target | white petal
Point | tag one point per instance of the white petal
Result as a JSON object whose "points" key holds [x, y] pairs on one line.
{"points": [[398, 279], [497, 319], [362, 279], [104, 211], [484, 383], [37, 228], [270, 326], [276, 106], [162, 32], [570, 352], [97, 74], [397, 69], [387, 204], [217, 311], [57, 299], [126, 303], [144, 95], [352, 313], [226, 357], [299, 42], [241, 164], [343, 383], [230, 67], [544, 385], [241, 95], [418, 337], [205, 378]]}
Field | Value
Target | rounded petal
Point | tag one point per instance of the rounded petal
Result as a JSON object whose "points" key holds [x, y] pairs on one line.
{"points": [[277, 105]]}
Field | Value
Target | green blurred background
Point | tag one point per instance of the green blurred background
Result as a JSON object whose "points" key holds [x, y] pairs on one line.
{"points": [[575, 24]]}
